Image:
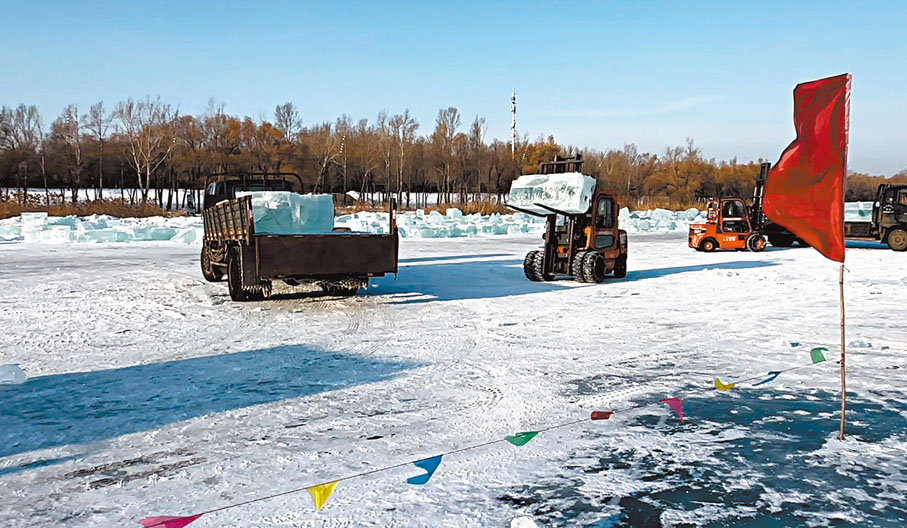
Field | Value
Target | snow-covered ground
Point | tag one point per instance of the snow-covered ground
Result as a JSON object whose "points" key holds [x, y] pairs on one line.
{"points": [[151, 393]]}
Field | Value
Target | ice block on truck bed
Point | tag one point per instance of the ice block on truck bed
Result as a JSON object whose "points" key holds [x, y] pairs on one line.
{"points": [[288, 213], [570, 192]]}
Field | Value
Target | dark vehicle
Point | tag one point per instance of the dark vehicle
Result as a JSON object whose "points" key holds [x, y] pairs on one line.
{"points": [[889, 219], [340, 262], [585, 246]]}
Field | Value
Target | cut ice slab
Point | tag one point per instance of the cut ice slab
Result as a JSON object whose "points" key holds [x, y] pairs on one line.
{"points": [[12, 375], [570, 192], [289, 213]]}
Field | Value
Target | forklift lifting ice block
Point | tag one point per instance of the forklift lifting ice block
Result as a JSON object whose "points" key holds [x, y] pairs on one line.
{"points": [[586, 246]]}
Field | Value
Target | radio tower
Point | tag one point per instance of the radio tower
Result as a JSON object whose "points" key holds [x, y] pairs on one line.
{"points": [[512, 123]]}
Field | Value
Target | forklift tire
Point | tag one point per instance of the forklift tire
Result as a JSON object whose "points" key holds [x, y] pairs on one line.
{"points": [[238, 292], [576, 268], [708, 245], [620, 267], [594, 267], [210, 272], [532, 266], [755, 243], [897, 239]]}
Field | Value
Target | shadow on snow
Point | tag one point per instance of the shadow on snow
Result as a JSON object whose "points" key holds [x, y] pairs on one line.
{"points": [[82, 407], [484, 279]]}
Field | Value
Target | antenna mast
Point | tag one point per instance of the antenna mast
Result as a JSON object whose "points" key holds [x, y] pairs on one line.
{"points": [[512, 123]]}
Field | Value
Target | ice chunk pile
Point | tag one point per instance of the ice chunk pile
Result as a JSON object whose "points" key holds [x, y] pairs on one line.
{"points": [[418, 224], [570, 192], [289, 213], [660, 220], [44, 229]]}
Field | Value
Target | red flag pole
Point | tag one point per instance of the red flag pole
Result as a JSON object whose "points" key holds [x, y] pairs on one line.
{"points": [[843, 357]]}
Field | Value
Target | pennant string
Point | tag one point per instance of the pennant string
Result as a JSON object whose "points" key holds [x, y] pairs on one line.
{"points": [[773, 374]]}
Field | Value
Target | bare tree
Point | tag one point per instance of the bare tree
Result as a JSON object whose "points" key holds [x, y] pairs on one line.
{"points": [[147, 128], [287, 120], [404, 128], [97, 122], [446, 126]]}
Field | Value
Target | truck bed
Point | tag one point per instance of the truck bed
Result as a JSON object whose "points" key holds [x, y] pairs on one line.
{"points": [[326, 256]]}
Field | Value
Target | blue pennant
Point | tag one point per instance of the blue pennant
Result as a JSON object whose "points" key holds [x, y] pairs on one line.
{"points": [[429, 465], [771, 377]]}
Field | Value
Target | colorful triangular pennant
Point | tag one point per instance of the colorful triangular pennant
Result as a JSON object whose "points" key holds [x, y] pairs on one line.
{"points": [[601, 415], [521, 439], [771, 377], [167, 521], [723, 386], [817, 355], [675, 404], [321, 493], [429, 465]]}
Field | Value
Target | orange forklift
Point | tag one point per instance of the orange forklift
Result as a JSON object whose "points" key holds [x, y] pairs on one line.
{"points": [[731, 224], [587, 246]]}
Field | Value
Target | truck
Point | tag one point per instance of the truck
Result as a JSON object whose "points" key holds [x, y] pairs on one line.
{"points": [[587, 246], [888, 223], [340, 262]]}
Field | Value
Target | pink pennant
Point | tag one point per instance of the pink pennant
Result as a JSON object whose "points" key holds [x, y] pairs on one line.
{"points": [[675, 404], [168, 521]]}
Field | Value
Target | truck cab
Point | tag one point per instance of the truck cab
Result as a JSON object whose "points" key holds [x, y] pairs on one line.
{"points": [[889, 219]]}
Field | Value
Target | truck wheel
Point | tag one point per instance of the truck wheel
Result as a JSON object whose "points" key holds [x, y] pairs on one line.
{"points": [[234, 275], [708, 245], [576, 269], [897, 239], [237, 291], [755, 242], [210, 272], [594, 267], [781, 241], [620, 267]]}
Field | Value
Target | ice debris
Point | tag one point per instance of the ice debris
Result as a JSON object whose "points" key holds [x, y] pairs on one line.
{"points": [[41, 228], [12, 374]]}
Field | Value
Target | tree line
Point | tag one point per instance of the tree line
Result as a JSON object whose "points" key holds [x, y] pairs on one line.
{"points": [[145, 147]]}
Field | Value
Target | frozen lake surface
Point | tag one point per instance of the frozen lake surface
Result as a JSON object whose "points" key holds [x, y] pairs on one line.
{"points": [[150, 393]]}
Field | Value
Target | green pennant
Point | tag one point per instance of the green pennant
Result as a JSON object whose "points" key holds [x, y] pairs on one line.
{"points": [[521, 439], [817, 355]]}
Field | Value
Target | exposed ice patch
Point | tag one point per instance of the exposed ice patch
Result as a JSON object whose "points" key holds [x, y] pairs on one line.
{"points": [[12, 374]]}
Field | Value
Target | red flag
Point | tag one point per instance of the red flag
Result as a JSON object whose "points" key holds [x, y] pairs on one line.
{"points": [[168, 521], [805, 189]]}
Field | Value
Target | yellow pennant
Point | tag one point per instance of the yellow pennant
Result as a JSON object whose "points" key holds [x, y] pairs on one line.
{"points": [[321, 492], [724, 386]]}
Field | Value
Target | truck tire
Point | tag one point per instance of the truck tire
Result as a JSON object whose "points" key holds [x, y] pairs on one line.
{"points": [[755, 243], [576, 268], [708, 245], [620, 267], [781, 241], [238, 292], [210, 272], [897, 239], [594, 267]]}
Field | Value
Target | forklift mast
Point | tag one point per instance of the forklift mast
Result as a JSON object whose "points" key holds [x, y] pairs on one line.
{"points": [[563, 164], [757, 214]]}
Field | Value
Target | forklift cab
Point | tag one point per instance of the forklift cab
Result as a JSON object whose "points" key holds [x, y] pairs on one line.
{"points": [[602, 233], [730, 215]]}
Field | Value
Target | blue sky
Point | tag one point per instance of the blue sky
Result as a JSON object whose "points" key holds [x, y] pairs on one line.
{"points": [[591, 74]]}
